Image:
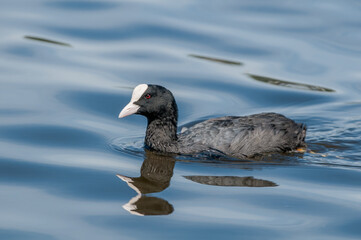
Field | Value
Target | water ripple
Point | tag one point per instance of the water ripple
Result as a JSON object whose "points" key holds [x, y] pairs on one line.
{"points": [[51, 136]]}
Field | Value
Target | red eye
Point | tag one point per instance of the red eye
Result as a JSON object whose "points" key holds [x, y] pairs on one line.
{"points": [[148, 96]]}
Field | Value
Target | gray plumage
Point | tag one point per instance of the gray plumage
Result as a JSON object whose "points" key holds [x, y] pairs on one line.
{"points": [[244, 136]]}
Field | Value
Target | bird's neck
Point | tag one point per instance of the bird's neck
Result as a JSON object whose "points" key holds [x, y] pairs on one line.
{"points": [[161, 134]]}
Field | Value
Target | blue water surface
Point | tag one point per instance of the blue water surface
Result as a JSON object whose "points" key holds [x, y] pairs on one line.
{"points": [[70, 169]]}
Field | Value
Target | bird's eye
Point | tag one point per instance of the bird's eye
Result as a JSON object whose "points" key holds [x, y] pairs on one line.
{"points": [[148, 96]]}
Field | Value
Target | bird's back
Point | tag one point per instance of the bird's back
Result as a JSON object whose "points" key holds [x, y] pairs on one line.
{"points": [[244, 136]]}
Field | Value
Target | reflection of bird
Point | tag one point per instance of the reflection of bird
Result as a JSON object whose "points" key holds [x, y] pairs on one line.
{"points": [[238, 137], [155, 175], [142, 205], [231, 181]]}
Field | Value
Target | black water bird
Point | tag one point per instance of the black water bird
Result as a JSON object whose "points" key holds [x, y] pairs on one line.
{"points": [[234, 136]]}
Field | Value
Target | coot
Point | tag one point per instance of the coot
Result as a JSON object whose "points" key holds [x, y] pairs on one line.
{"points": [[239, 137]]}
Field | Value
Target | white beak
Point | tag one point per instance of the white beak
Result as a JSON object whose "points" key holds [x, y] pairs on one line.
{"points": [[130, 109]]}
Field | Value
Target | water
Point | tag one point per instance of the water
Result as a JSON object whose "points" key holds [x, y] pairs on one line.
{"points": [[69, 169]]}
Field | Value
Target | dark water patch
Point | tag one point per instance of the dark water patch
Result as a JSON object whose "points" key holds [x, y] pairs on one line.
{"points": [[142, 56], [62, 181], [15, 234], [14, 112], [217, 60], [40, 39], [98, 103], [289, 84], [52, 136], [82, 5], [350, 228], [21, 51]]}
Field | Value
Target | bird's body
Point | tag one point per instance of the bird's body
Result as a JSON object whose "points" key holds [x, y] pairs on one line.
{"points": [[246, 136], [239, 137]]}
